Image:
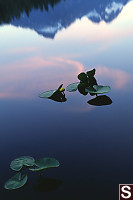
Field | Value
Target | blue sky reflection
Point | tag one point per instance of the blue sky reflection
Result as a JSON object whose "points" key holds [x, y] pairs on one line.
{"points": [[31, 63]]}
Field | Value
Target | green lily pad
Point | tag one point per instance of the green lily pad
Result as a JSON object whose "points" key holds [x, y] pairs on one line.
{"points": [[91, 73], [18, 163], [82, 77], [45, 163], [47, 94], [16, 182], [98, 89], [72, 87]]}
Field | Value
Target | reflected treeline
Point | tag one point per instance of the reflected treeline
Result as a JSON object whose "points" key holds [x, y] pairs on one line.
{"points": [[10, 9]]}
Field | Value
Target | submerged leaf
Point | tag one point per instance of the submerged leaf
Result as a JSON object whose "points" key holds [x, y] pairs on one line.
{"points": [[45, 163], [98, 89], [100, 101], [18, 163], [16, 182], [72, 87]]}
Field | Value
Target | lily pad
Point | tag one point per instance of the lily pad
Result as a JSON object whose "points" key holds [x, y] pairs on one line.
{"points": [[16, 182], [47, 94], [72, 87], [18, 163], [100, 101], [98, 89], [45, 163]]}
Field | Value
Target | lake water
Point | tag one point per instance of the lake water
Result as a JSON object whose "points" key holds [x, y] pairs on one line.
{"points": [[41, 47]]}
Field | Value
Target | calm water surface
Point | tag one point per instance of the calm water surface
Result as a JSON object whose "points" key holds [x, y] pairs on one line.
{"points": [[41, 50]]}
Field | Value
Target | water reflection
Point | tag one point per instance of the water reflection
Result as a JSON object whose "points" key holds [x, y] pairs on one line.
{"points": [[10, 9], [47, 184], [30, 15], [101, 100]]}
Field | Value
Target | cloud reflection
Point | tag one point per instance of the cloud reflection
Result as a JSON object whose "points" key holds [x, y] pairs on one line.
{"points": [[35, 74], [118, 78]]}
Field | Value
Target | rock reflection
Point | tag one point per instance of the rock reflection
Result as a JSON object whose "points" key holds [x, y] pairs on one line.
{"points": [[47, 184]]}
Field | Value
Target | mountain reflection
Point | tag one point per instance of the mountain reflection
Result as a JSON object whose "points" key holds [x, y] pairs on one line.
{"points": [[31, 13]]}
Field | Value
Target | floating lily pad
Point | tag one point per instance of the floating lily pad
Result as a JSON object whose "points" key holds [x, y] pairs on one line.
{"points": [[16, 182], [72, 87], [18, 163], [47, 94], [98, 89], [82, 77], [45, 163], [100, 101]]}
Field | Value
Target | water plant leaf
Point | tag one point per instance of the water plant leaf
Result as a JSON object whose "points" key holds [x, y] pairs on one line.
{"points": [[72, 87], [47, 94], [45, 163], [98, 89], [81, 88], [18, 163], [101, 100], [58, 96], [16, 182], [82, 77], [59, 88], [91, 73]]}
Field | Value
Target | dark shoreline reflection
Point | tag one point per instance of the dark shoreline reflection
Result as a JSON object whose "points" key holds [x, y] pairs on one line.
{"points": [[101, 100], [30, 13], [10, 9], [47, 184]]}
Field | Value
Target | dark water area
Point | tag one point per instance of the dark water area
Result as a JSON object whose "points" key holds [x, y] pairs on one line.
{"points": [[44, 45]]}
